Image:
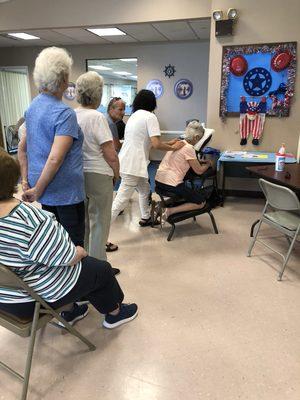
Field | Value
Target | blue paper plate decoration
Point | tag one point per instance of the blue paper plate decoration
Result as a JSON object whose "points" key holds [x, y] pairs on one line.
{"points": [[257, 81], [183, 89], [70, 92], [156, 86]]}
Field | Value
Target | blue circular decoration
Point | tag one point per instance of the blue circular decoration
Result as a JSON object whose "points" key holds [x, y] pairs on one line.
{"points": [[183, 89], [70, 92], [257, 81], [156, 86]]}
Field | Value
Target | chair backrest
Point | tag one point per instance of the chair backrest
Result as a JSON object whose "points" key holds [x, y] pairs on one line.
{"points": [[8, 279], [206, 138], [279, 197]]}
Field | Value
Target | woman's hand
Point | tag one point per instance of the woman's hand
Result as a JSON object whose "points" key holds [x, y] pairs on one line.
{"points": [[80, 254], [25, 185], [31, 195], [171, 142], [178, 145]]}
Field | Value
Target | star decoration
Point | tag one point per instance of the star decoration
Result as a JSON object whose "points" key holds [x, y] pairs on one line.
{"points": [[169, 70], [257, 81]]}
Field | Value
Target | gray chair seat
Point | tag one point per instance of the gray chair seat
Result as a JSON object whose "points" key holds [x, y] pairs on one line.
{"points": [[286, 219]]}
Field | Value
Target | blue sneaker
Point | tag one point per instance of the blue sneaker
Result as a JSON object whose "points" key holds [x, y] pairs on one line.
{"points": [[77, 313], [126, 314]]}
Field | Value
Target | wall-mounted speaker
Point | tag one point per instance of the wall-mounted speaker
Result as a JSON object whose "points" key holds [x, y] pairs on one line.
{"points": [[224, 27]]}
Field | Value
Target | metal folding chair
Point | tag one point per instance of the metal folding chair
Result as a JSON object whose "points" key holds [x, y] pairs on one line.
{"points": [[282, 212], [43, 314]]}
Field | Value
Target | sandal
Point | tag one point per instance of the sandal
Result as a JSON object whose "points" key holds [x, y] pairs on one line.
{"points": [[111, 247], [148, 222]]}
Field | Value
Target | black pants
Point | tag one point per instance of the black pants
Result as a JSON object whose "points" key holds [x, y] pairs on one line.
{"points": [[96, 283], [72, 218]]}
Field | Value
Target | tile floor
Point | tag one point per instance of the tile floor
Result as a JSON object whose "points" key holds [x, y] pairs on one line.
{"points": [[213, 324]]}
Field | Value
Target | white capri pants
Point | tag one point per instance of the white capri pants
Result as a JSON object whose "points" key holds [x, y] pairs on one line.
{"points": [[127, 187]]}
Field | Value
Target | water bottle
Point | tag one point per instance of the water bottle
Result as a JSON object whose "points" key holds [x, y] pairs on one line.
{"points": [[280, 159]]}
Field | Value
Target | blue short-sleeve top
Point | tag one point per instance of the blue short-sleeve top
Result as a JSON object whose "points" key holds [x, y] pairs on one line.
{"points": [[46, 118]]}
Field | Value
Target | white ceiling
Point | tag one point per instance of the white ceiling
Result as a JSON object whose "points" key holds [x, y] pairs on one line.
{"points": [[198, 29]]}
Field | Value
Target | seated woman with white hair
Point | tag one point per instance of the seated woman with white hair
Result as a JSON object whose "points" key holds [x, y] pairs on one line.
{"points": [[100, 163], [173, 168]]}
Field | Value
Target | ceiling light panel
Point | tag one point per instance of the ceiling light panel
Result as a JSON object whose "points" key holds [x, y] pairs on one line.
{"points": [[106, 31], [23, 36]]}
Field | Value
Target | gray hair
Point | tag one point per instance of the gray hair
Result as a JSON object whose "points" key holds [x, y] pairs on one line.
{"points": [[89, 87], [193, 129], [52, 67]]}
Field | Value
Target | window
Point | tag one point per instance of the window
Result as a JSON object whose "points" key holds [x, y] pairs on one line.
{"points": [[120, 80]]}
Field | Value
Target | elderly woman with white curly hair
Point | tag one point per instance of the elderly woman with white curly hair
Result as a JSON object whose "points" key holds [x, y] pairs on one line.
{"points": [[173, 168], [100, 163], [50, 152]]}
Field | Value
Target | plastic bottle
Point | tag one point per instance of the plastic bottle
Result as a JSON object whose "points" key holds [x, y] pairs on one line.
{"points": [[280, 158]]}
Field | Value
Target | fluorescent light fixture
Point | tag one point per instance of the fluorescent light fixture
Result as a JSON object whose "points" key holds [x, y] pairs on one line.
{"points": [[122, 73], [100, 67], [217, 15], [106, 31], [23, 36], [129, 59]]}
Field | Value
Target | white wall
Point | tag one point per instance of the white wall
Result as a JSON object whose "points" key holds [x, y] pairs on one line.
{"points": [[190, 60]]}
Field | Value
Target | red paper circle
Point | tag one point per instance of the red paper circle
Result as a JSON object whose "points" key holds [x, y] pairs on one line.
{"points": [[281, 61], [238, 65]]}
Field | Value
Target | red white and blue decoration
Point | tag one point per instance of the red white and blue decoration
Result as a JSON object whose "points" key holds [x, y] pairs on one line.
{"points": [[169, 70], [70, 92], [252, 120], [156, 86], [183, 89], [238, 65], [257, 82], [257, 71]]}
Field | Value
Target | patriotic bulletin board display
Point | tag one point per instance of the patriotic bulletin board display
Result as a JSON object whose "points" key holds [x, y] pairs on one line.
{"points": [[257, 80]]}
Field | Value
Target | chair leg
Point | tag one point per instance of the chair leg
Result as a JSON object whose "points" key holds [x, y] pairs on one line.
{"points": [[288, 255], [74, 331], [171, 232], [253, 226], [30, 350], [254, 239], [213, 222]]}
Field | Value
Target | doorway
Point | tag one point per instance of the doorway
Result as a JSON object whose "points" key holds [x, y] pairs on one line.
{"points": [[14, 101]]}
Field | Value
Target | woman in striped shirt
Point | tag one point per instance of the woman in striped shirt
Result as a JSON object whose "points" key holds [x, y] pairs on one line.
{"points": [[39, 250]]}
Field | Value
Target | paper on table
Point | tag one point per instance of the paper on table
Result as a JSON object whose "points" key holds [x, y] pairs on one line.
{"points": [[251, 155]]}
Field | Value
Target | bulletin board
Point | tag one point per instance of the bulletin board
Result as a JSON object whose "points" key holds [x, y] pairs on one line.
{"points": [[258, 72]]}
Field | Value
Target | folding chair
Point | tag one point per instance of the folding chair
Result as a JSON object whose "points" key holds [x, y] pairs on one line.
{"points": [[43, 314], [281, 212]]}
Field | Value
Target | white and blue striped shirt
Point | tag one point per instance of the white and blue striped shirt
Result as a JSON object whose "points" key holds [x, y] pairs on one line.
{"points": [[38, 249]]}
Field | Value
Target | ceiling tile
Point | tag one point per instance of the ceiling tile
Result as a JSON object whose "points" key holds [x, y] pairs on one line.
{"points": [[54, 37], [142, 32], [177, 30], [201, 28], [80, 35], [121, 39]]}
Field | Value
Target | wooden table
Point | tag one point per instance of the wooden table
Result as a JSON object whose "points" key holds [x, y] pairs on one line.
{"points": [[290, 177]]}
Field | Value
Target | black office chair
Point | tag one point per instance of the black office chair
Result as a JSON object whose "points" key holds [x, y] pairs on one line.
{"points": [[169, 199]]}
